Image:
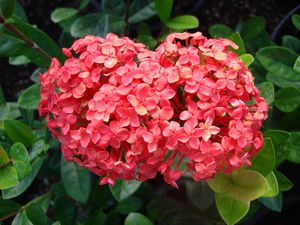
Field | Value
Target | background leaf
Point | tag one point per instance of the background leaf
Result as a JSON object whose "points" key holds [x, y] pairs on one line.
{"points": [[183, 22], [61, 14], [137, 219], [164, 9], [124, 188], [287, 99], [220, 30], [30, 98]]}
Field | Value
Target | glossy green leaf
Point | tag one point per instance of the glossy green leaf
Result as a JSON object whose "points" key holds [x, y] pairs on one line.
{"points": [[37, 148], [281, 143], [110, 24], [124, 188], [291, 43], [164, 9], [11, 46], [36, 214], [275, 203], [296, 21], [9, 111], [248, 185], [4, 159], [287, 99], [237, 39], [24, 184], [30, 98], [294, 154], [284, 183], [143, 14], [116, 7], [22, 219], [20, 159], [220, 31], [267, 91], [247, 59], [253, 27], [76, 180], [18, 60], [128, 205], [199, 194], [231, 209], [279, 62], [297, 64], [61, 14], [7, 8], [7, 207], [8, 177], [137, 219], [273, 185], [264, 162], [64, 210], [183, 22], [19, 132], [85, 25]]}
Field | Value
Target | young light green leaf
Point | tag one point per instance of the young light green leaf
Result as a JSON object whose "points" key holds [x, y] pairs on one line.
{"points": [[20, 159], [8, 177], [61, 14], [124, 188], [18, 60], [19, 132], [231, 209], [294, 154], [247, 59], [128, 205], [291, 43], [30, 98], [296, 21], [164, 9], [275, 203], [143, 14], [85, 25], [7, 207], [273, 185], [237, 39], [137, 219], [220, 183], [76, 180], [284, 183], [4, 159], [287, 99], [24, 184], [11, 46], [184, 22], [297, 65], [220, 31], [264, 162], [267, 91], [7, 8]]}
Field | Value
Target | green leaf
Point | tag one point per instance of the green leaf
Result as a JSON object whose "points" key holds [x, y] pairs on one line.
{"points": [[7, 207], [97, 218], [7, 8], [3, 157], [264, 162], [19, 132], [30, 98], [24, 184], [128, 205], [124, 188], [85, 25], [20, 12], [199, 194], [11, 46], [110, 24], [116, 7], [275, 203], [279, 62], [287, 99], [267, 91], [76, 180], [281, 143], [220, 183], [37, 148], [8, 177], [247, 59], [253, 27], [231, 209], [294, 154], [22, 219], [248, 185], [164, 9], [183, 22], [43, 201], [137, 219], [61, 14], [291, 43], [36, 214], [143, 14], [9, 111], [284, 183], [296, 21], [145, 36], [220, 31], [273, 185], [65, 210], [18, 60], [236, 38], [20, 159], [83, 4], [297, 65]]}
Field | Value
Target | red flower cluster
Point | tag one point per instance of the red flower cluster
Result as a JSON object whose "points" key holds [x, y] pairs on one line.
{"points": [[123, 111]]}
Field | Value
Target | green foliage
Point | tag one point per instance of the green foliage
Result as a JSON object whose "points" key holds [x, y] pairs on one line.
{"points": [[164, 9], [137, 219], [220, 31], [61, 14], [30, 98], [183, 22], [7, 8], [122, 189]]}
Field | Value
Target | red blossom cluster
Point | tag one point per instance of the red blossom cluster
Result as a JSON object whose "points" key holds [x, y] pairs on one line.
{"points": [[127, 112]]}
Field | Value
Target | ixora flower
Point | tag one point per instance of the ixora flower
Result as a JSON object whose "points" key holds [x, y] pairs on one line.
{"points": [[126, 112]]}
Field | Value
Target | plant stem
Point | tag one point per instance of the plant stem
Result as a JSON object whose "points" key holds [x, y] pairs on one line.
{"points": [[23, 37]]}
